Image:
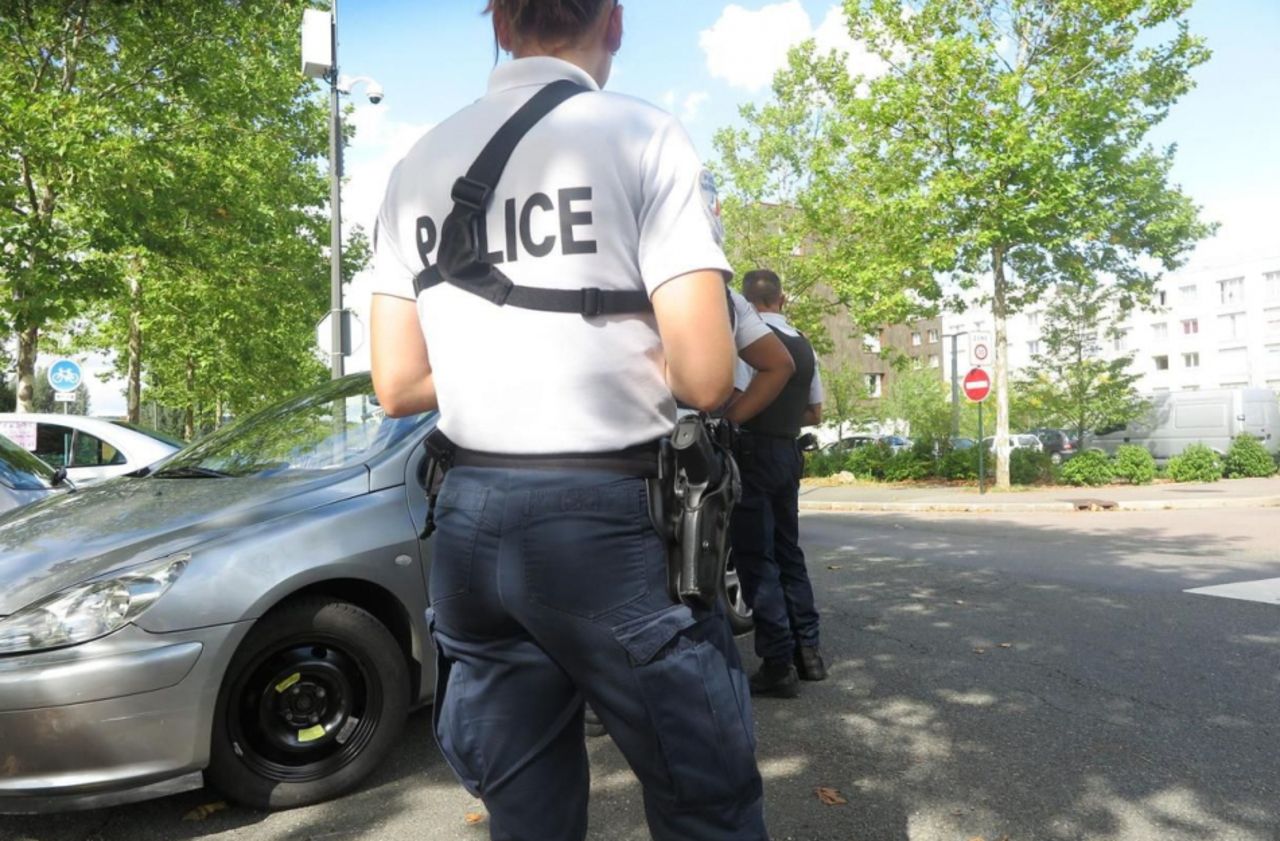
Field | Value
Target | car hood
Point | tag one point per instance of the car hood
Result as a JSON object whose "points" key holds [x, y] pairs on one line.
{"points": [[60, 541]]}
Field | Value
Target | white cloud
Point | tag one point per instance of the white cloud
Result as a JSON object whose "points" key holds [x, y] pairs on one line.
{"points": [[745, 48], [379, 144], [692, 105], [668, 100]]}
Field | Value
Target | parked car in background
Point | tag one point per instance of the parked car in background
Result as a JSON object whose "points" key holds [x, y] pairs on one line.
{"points": [[1058, 443], [849, 443], [90, 449], [895, 443], [1024, 441], [24, 478], [1175, 420], [963, 443]]}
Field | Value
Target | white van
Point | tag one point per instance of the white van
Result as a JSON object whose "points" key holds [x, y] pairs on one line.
{"points": [[1178, 419]]}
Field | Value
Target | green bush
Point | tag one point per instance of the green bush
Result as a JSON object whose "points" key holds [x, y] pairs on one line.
{"points": [[960, 464], [1030, 467], [1197, 463], [1134, 464], [823, 463], [908, 465], [868, 461], [1088, 468], [1247, 458]]}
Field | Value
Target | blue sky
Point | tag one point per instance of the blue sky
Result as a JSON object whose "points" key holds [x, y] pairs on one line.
{"points": [[703, 58]]}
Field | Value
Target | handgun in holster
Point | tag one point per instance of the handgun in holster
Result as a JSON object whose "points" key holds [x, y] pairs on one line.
{"points": [[439, 458], [691, 502]]}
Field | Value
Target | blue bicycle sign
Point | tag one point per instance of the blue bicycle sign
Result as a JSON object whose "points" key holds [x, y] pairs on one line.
{"points": [[64, 375]]}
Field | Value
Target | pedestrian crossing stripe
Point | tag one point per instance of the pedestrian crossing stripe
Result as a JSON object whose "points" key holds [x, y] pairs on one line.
{"points": [[1265, 590]]}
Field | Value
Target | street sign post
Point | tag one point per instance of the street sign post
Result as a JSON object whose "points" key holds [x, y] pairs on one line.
{"points": [[977, 387], [352, 333], [980, 350], [65, 377]]}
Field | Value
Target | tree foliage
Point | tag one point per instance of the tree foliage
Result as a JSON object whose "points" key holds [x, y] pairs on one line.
{"points": [[1004, 140], [1072, 382], [918, 396]]}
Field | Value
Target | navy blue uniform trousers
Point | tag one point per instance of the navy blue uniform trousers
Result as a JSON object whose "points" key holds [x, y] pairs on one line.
{"points": [[765, 531], [549, 588]]}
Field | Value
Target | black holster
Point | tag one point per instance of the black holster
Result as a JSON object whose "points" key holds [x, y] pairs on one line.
{"points": [[440, 453], [691, 502]]}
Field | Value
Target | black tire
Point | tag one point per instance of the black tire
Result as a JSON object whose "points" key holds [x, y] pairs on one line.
{"points": [[735, 602], [314, 699]]}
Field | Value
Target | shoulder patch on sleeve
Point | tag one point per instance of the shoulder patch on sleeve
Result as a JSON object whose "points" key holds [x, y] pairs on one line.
{"points": [[711, 204]]}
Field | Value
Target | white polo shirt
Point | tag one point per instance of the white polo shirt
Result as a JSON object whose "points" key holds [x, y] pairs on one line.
{"points": [[606, 191], [744, 374]]}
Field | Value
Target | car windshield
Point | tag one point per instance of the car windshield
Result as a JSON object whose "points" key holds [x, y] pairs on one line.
{"points": [[150, 433], [22, 471], [332, 426]]}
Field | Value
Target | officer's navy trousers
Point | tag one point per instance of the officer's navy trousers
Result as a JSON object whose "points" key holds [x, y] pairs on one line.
{"points": [[765, 531], [548, 588]]}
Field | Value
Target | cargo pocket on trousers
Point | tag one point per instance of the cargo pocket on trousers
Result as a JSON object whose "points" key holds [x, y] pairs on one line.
{"points": [[449, 730], [691, 698]]}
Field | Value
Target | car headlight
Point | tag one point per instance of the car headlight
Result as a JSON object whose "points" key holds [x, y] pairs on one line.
{"points": [[91, 609]]}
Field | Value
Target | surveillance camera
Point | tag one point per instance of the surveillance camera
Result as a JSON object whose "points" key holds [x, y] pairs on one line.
{"points": [[375, 93]]}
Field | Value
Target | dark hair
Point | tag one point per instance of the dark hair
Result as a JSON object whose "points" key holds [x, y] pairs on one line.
{"points": [[549, 20], [762, 286]]}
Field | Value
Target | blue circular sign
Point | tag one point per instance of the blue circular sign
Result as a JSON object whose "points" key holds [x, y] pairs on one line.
{"points": [[64, 375]]}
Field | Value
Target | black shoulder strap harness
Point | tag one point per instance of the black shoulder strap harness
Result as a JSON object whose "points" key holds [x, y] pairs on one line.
{"points": [[458, 260]]}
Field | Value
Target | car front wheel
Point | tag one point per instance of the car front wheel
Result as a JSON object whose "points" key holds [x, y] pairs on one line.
{"points": [[314, 699]]}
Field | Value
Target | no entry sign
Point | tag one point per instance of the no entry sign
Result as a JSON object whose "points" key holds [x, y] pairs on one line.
{"points": [[977, 385]]}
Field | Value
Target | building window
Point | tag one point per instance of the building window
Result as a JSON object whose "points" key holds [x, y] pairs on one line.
{"points": [[933, 335], [1162, 298], [1273, 359], [1273, 286], [915, 339], [1160, 332], [1231, 291], [1190, 360], [1033, 347], [935, 360], [871, 343], [1231, 327], [1273, 323], [1188, 294], [1234, 361], [875, 385], [1191, 388], [1120, 341], [1033, 320], [1162, 362], [1190, 326]]}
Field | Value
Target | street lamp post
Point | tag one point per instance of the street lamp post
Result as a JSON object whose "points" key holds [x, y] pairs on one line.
{"points": [[955, 384], [320, 61]]}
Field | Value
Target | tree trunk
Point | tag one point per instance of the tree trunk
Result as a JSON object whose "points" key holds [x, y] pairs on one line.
{"points": [[28, 348], [999, 307], [135, 347], [189, 416]]}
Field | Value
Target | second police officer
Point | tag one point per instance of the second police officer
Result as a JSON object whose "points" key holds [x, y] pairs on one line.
{"points": [[553, 303]]}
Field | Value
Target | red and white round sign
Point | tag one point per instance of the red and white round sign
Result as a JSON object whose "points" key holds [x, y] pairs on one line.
{"points": [[977, 385]]}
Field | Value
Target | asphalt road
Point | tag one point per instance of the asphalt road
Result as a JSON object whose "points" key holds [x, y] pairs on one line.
{"points": [[1021, 677]]}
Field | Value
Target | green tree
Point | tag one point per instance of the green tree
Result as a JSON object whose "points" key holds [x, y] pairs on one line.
{"points": [[845, 399], [918, 396], [1005, 141], [1071, 382]]}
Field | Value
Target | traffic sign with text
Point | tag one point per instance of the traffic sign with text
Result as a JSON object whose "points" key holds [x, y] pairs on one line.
{"points": [[980, 354]]}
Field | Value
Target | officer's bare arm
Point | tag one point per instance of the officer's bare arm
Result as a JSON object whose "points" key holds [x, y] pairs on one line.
{"points": [[401, 367], [773, 366], [812, 415], [696, 338]]}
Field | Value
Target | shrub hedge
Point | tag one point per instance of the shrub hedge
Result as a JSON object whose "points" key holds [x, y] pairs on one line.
{"points": [[1197, 463], [1088, 468], [1247, 459], [1134, 464]]}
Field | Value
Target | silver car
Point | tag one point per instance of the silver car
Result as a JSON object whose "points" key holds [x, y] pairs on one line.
{"points": [[250, 614], [25, 478]]}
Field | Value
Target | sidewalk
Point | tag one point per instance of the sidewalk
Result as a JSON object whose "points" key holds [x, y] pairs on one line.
{"points": [[869, 496]]}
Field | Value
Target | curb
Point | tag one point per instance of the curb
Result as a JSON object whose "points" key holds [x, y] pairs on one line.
{"points": [[854, 507]]}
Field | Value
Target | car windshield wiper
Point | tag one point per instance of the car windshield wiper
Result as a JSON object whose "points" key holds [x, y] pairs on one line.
{"points": [[190, 471]]}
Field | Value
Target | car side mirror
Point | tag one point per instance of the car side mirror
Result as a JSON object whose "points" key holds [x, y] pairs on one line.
{"points": [[808, 442]]}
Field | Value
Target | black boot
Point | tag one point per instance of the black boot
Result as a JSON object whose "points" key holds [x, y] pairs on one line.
{"points": [[777, 679], [809, 663]]}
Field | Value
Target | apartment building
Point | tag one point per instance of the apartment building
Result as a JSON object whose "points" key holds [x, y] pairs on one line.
{"points": [[1210, 328], [919, 341]]}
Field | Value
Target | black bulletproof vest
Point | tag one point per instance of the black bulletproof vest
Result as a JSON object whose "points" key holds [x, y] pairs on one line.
{"points": [[782, 417]]}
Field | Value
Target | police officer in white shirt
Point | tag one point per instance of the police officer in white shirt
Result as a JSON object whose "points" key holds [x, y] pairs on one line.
{"points": [[553, 304], [765, 525]]}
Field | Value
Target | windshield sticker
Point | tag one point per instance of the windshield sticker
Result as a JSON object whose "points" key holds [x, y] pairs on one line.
{"points": [[22, 433]]}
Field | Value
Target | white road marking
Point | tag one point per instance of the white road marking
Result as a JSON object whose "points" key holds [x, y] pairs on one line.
{"points": [[1266, 590]]}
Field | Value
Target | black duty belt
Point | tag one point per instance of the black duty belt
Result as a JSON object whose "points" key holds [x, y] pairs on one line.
{"points": [[639, 461]]}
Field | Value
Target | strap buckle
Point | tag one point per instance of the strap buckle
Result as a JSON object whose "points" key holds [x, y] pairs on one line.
{"points": [[471, 193], [592, 302]]}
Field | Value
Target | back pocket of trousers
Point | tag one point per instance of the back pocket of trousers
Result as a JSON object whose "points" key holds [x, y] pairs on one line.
{"points": [[690, 694], [458, 518]]}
